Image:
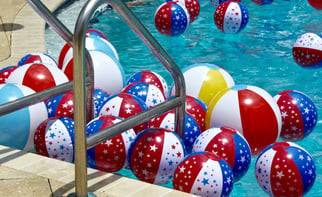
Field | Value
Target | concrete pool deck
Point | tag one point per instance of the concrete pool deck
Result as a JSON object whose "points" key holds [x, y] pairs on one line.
{"points": [[22, 31]]}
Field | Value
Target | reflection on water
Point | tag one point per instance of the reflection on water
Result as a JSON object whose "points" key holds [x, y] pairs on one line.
{"points": [[260, 55]]}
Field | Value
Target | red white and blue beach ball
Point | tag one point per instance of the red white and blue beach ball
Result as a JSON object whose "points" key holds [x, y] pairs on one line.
{"points": [[285, 169], [192, 6], [150, 94], [229, 144], [100, 97], [191, 127], [262, 2], [216, 3], [204, 174], [250, 110], [171, 19], [17, 129], [38, 76], [37, 58], [124, 105], [54, 138], [307, 50], [197, 109], [5, 73], [299, 114], [231, 17], [155, 155], [61, 105], [110, 155], [150, 77]]}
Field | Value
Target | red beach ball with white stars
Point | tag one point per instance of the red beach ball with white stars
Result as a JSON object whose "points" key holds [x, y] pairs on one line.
{"points": [[150, 77], [110, 155], [171, 19], [285, 169], [250, 110], [124, 105], [299, 114], [155, 155], [197, 109], [191, 127], [307, 50], [37, 76], [231, 17], [192, 7], [229, 144], [5, 73], [61, 105], [150, 94], [37, 58], [204, 174], [54, 138]]}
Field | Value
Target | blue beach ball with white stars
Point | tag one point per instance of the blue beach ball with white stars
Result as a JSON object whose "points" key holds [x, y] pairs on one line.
{"points": [[54, 138], [229, 144], [149, 93], [191, 127], [171, 19], [110, 155], [299, 114], [285, 169], [100, 97], [204, 174], [231, 17]]}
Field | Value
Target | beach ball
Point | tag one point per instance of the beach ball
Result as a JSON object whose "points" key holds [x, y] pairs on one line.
{"points": [[317, 4], [204, 174], [61, 105], [17, 129], [231, 17], [124, 105], [100, 97], [155, 154], [192, 7], [149, 93], [191, 127], [5, 73], [229, 144], [262, 2], [38, 76], [54, 138], [205, 80], [110, 155], [197, 109], [285, 169], [95, 32], [250, 110], [307, 50], [37, 58], [171, 19], [150, 77], [299, 114]]}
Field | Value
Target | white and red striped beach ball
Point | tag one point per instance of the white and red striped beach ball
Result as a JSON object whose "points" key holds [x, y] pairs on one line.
{"points": [[155, 154], [171, 19], [5, 73], [150, 77], [110, 155], [17, 129], [149, 93], [299, 114], [229, 144], [54, 138], [204, 174], [307, 50], [205, 80], [285, 169], [250, 110], [124, 105], [37, 57], [231, 17], [38, 76]]}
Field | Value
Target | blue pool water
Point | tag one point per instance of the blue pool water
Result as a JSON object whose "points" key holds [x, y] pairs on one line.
{"points": [[260, 55]]}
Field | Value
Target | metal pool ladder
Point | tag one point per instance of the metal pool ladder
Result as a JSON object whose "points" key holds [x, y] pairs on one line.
{"points": [[82, 85]]}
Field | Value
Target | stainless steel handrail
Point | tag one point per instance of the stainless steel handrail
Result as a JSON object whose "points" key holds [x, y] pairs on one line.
{"points": [[83, 90]]}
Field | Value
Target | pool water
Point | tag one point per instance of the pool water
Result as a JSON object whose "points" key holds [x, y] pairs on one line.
{"points": [[260, 55]]}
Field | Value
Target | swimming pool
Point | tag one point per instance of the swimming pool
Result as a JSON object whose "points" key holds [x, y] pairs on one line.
{"points": [[259, 55]]}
